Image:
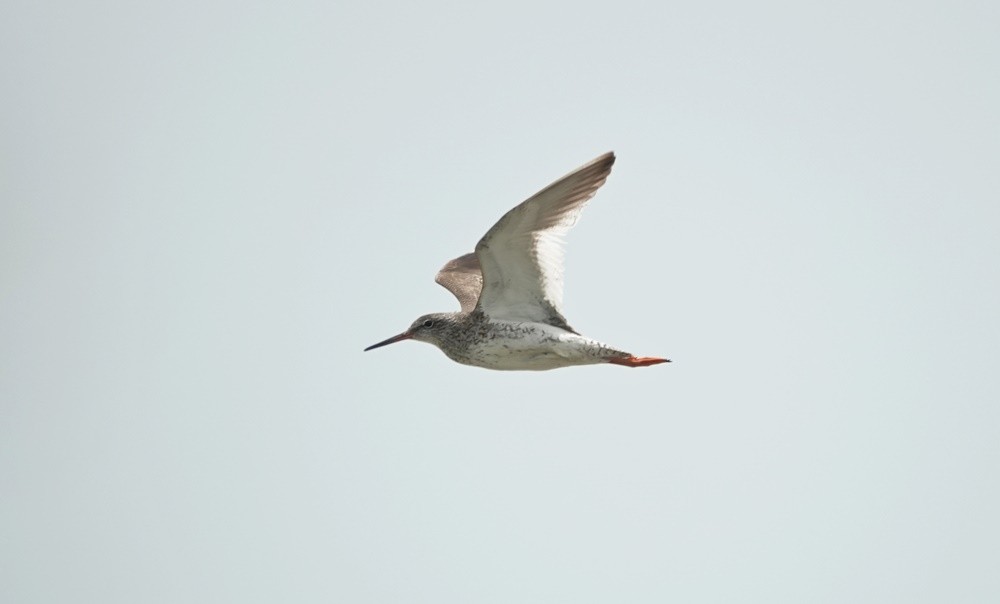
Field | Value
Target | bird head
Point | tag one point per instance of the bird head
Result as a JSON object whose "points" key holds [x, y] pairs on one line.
{"points": [[428, 328]]}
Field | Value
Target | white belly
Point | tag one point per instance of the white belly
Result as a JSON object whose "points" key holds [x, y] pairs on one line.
{"points": [[534, 347]]}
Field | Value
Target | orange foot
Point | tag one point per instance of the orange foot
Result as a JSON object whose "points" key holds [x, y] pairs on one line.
{"points": [[638, 361]]}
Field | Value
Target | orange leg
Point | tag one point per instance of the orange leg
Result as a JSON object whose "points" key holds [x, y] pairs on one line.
{"points": [[638, 361]]}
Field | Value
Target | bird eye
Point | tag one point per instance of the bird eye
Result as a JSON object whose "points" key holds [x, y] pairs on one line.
{"points": [[428, 323]]}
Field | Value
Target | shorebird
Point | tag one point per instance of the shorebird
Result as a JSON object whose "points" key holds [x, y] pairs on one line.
{"points": [[510, 289]]}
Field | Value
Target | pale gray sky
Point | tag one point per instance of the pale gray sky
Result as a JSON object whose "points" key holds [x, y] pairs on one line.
{"points": [[208, 209]]}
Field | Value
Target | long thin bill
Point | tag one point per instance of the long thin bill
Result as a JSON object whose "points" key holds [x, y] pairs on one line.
{"points": [[392, 340]]}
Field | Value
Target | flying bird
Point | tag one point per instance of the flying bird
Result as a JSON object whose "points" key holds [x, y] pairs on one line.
{"points": [[510, 289]]}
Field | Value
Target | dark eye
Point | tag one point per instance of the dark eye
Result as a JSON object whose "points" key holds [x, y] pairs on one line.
{"points": [[428, 323]]}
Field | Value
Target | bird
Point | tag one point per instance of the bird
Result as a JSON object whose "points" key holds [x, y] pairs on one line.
{"points": [[510, 289]]}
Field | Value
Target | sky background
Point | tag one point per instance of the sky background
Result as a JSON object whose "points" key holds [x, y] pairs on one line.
{"points": [[208, 209]]}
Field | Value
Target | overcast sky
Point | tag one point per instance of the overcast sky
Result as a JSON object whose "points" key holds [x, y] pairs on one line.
{"points": [[208, 209]]}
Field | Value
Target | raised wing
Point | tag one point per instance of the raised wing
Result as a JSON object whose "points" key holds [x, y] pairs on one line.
{"points": [[522, 255], [462, 277]]}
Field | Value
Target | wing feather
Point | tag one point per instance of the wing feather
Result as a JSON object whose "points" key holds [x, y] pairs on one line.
{"points": [[521, 257], [462, 277]]}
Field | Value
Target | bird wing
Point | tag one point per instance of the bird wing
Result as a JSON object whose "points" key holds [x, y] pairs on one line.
{"points": [[462, 277], [522, 255]]}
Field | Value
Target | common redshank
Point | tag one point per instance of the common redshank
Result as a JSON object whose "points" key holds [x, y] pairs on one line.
{"points": [[510, 289]]}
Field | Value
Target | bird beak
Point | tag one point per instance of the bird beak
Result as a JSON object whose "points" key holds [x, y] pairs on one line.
{"points": [[403, 336]]}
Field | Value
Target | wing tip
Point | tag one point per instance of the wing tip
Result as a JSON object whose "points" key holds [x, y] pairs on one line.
{"points": [[608, 157], [602, 164]]}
